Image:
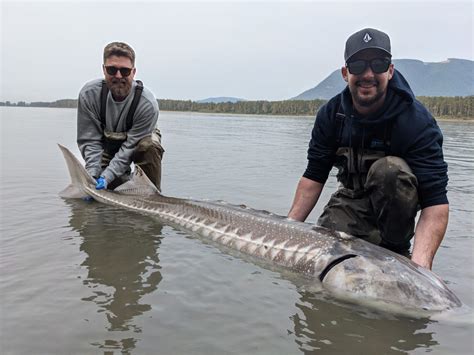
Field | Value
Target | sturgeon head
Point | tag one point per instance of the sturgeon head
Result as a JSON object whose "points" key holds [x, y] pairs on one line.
{"points": [[369, 274]]}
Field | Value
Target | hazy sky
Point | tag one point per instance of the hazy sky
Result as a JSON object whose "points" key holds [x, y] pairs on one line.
{"points": [[193, 50]]}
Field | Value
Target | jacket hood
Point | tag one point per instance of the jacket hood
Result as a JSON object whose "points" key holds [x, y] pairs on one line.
{"points": [[399, 97]]}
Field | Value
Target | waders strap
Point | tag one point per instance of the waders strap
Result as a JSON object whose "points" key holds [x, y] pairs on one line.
{"points": [[338, 127], [103, 103], [133, 107]]}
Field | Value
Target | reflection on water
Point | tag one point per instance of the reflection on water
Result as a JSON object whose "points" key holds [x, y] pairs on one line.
{"points": [[122, 262], [329, 328]]}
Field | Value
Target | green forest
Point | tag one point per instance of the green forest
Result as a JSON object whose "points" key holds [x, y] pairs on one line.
{"points": [[440, 107], [449, 107]]}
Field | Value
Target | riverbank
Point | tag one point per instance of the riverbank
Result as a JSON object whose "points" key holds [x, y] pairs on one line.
{"points": [[455, 119], [441, 118], [456, 108]]}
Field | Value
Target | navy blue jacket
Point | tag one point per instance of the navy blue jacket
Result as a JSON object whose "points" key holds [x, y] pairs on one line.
{"points": [[415, 137]]}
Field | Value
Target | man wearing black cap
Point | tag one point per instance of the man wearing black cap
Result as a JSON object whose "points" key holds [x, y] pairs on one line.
{"points": [[388, 150]]}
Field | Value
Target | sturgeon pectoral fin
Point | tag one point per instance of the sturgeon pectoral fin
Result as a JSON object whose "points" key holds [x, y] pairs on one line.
{"points": [[72, 191], [139, 184]]}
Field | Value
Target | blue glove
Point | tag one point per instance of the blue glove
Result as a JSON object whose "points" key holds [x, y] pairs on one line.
{"points": [[101, 183]]}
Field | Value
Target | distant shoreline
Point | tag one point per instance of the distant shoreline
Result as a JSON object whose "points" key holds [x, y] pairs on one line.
{"points": [[454, 119], [452, 108], [231, 114]]}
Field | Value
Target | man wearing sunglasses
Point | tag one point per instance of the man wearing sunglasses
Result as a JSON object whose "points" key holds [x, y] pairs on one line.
{"points": [[116, 122], [388, 151]]}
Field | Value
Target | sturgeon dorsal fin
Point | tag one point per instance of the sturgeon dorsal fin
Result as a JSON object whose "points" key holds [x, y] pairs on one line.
{"points": [[139, 185]]}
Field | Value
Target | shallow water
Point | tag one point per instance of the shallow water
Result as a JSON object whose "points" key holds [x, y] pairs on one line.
{"points": [[87, 278]]}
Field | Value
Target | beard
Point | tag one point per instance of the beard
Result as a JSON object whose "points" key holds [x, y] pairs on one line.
{"points": [[365, 101], [120, 88]]}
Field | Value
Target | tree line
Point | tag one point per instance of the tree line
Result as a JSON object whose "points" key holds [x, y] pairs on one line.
{"points": [[440, 107], [66, 103], [289, 107], [449, 107]]}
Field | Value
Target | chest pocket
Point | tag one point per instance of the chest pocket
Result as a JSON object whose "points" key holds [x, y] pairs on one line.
{"points": [[356, 153]]}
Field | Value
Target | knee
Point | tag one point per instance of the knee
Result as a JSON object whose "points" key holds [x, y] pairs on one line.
{"points": [[148, 149], [144, 144], [388, 169], [149, 143]]}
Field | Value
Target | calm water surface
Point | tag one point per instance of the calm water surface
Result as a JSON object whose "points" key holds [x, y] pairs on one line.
{"points": [[81, 278]]}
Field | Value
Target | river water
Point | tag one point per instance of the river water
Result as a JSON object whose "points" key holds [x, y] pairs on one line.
{"points": [[81, 278]]}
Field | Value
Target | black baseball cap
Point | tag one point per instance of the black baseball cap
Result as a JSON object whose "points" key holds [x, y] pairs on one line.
{"points": [[365, 39]]}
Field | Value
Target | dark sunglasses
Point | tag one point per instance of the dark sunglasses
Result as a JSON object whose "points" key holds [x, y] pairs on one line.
{"points": [[378, 65], [123, 71]]}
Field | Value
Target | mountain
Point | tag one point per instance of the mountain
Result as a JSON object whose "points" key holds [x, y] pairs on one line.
{"points": [[218, 100], [453, 77]]}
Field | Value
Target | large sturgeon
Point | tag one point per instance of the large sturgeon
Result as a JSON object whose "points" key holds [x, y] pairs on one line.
{"points": [[347, 267]]}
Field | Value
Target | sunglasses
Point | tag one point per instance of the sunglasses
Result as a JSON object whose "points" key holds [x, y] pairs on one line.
{"points": [[123, 71], [378, 65]]}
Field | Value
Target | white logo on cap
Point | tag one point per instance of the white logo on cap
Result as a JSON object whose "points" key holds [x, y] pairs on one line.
{"points": [[367, 38]]}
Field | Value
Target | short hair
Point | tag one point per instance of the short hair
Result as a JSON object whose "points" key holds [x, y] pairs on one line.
{"points": [[120, 49]]}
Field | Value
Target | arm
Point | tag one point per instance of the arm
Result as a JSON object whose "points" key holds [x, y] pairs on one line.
{"points": [[320, 161], [306, 195], [429, 233], [426, 159], [89, 133]]}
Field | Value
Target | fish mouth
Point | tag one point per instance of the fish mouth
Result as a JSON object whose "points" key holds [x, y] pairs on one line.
{"points": [[333, 263]]}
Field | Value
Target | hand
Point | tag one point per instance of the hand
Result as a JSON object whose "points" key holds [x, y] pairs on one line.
{"points": [[101, 183]]}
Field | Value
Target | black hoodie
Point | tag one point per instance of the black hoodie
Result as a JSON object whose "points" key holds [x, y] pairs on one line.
{"points": [[415, 137]]}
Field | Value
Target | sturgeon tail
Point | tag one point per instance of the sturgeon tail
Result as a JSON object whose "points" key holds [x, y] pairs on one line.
{"points": [[79, 176]]}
